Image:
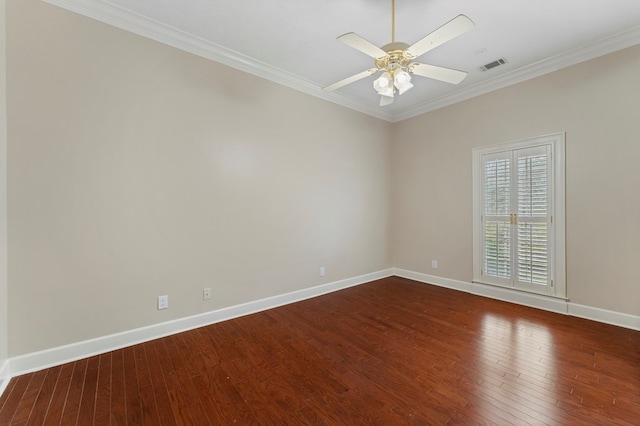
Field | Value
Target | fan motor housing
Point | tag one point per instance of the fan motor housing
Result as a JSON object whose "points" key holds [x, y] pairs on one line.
{"points": [[395, 58]]}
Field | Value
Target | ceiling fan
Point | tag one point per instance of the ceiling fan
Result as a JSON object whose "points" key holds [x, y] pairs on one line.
{"points": [[395, 59]]}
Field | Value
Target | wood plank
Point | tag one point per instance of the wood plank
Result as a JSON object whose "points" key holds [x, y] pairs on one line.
{"points": [[118, 413], [43, 401], [131, 389], [15, 398], [74, 396], [208, 401], [27, 403], [58, 399], [150, 412], [86, 411], [103, 390], [159, 388]]}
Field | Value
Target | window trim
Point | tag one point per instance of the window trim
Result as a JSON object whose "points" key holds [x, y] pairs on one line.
{"points": [[558, 238]]}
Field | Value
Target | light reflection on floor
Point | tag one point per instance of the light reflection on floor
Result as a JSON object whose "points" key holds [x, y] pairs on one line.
{"points": [[518, 356]]}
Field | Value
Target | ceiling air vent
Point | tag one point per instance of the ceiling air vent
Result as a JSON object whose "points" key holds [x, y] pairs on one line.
{"points": [[493, 64]]}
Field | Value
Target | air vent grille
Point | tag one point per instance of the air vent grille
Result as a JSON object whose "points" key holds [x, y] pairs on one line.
{"points": [[493, 64]]}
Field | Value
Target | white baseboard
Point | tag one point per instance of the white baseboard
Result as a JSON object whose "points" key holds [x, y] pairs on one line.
{"points": [[432, 279], [55, 356], [602, 315], [546, 303], [505, 294], [527, 299], [4, 376]]}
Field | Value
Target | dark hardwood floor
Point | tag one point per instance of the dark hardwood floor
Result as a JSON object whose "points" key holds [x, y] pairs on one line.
{"points": [[389, 352]]}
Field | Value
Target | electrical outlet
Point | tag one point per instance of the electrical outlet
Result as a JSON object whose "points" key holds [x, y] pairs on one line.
{"points": [[206, 293], [322, 271], [163, 302], [434, 264]]}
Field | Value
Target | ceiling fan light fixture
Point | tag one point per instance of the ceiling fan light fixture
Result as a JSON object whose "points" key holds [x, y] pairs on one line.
{"points": [[386, 100], [402, 81], [383, 84], [388, 92]]}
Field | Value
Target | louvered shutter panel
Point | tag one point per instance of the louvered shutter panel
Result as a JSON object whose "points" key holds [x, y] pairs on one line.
{"points": [[497, 196], [533, 209]]}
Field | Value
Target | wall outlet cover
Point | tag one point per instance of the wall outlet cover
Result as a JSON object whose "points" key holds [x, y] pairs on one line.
{"points": [[163, 302]]}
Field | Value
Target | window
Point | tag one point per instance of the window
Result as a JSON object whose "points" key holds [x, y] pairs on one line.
{"points": [[518, 215]]}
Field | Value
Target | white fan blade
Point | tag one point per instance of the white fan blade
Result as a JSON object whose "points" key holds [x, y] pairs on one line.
{"points": [[350, 80], [452, 29], [437, 73], [365, 46]]}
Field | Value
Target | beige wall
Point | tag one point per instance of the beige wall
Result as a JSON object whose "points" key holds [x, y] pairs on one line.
{"points": [[137, 170], [3, 187], [597, 103]]}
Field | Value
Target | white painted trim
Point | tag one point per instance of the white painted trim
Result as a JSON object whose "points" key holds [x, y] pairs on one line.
{"points": [[546, 303], [119, 17], [532, 300], [432, 279], [4, 376], [505, 294], [603, 315], [55, 356]]}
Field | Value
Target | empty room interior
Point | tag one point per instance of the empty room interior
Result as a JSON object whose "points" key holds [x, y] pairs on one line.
{"points": [[192, 234]]}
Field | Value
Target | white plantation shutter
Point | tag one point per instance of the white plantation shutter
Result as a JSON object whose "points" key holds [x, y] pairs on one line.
{"points": [[497, 249], [497, 208], [533, 215], [513, 215]]}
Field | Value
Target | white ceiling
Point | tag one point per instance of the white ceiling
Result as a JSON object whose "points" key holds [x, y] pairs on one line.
{"points": [[293, 42]]}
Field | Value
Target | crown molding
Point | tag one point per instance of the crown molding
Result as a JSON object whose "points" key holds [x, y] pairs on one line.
{"points": [[127, 20]]}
